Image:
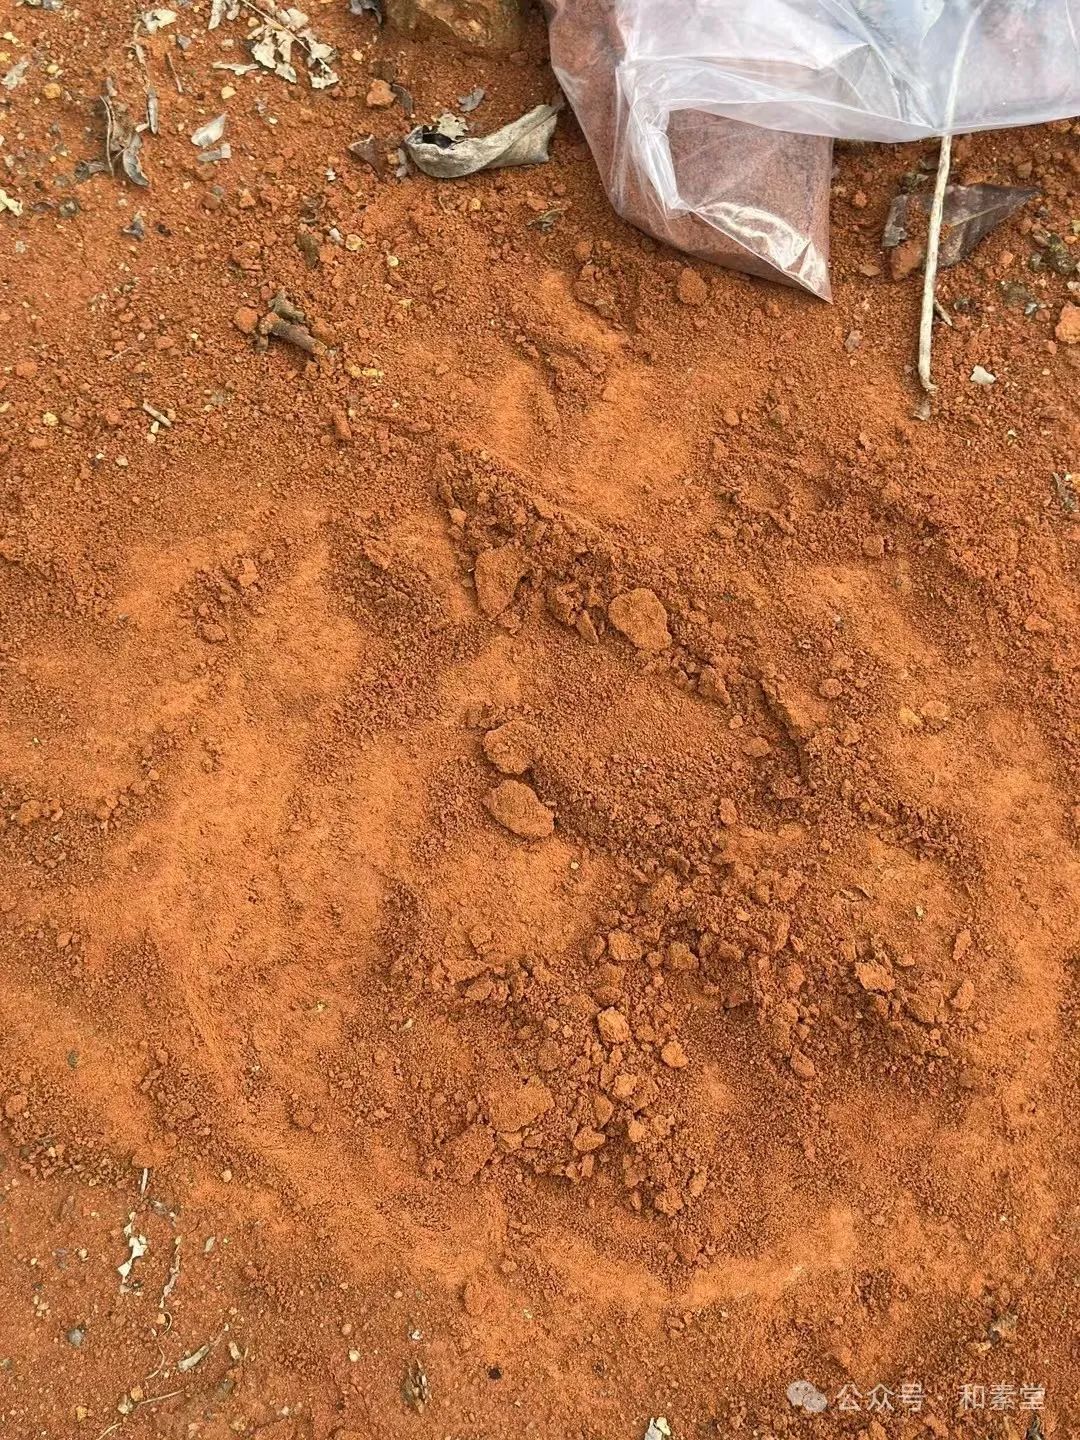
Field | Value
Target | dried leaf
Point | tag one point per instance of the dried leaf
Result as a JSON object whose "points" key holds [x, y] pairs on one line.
{"points": [[371, 152], [174, 1267], [404, 98], [122, 140], [416, 1388], [222, 10], [210, 133], [86, 168], [8, 202], [971, 212], [137, 1248], [14, 76], [447, 127], [367, 7], [1067, 492], [130, 163], [308, 246], [272, 45], [547, 220], [154, 20], [468, 103], [438, 151]]}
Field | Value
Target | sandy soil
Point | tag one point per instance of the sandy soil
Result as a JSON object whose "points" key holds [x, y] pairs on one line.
{"points": [[538, 845]]}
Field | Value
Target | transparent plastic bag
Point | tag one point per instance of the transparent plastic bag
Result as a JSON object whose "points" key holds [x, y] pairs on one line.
{"points": [[712, 121]]}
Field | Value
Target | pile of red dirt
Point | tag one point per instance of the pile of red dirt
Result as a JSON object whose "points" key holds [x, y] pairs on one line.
{"points": [[538, 801]]}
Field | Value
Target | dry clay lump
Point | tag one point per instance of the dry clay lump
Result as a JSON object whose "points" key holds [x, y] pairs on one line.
{"points": [[476, 24], [517, 807], [639, 615], [512, 747], [496, 577]]}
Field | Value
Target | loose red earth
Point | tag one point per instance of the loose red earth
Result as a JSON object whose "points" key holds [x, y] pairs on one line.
{"points": [[538, 840]]}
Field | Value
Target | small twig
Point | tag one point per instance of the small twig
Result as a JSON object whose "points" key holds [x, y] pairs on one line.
{"points": [[109, 126], [283, 306], [942, 314], [136, 48], [156, 1399], [171, 67], [158, 1367], [933, 241], [933, 246], [292, 334]]}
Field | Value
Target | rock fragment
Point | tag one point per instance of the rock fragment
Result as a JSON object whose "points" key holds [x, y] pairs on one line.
{"points": [[1067, 329], [587, 1140], [379, 96]]}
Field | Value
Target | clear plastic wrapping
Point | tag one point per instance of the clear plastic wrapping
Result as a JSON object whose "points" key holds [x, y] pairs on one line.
{"points": [[712, 120]]}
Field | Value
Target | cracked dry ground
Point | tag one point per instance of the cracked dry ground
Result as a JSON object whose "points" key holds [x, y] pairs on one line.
{"points": [[754, 1057]]}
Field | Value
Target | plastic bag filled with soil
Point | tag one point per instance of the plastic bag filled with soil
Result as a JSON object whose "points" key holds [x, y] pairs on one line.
{"points": [[749, 198], [712, 120]]}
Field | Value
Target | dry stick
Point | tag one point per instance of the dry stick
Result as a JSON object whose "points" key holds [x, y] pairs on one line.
{"points": [[157, 1399], [933, 245], [172, 71], [109, 127]]}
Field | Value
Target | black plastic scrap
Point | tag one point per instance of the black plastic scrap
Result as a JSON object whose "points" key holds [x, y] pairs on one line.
{"points": [[971, 212], [447, 152]]}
